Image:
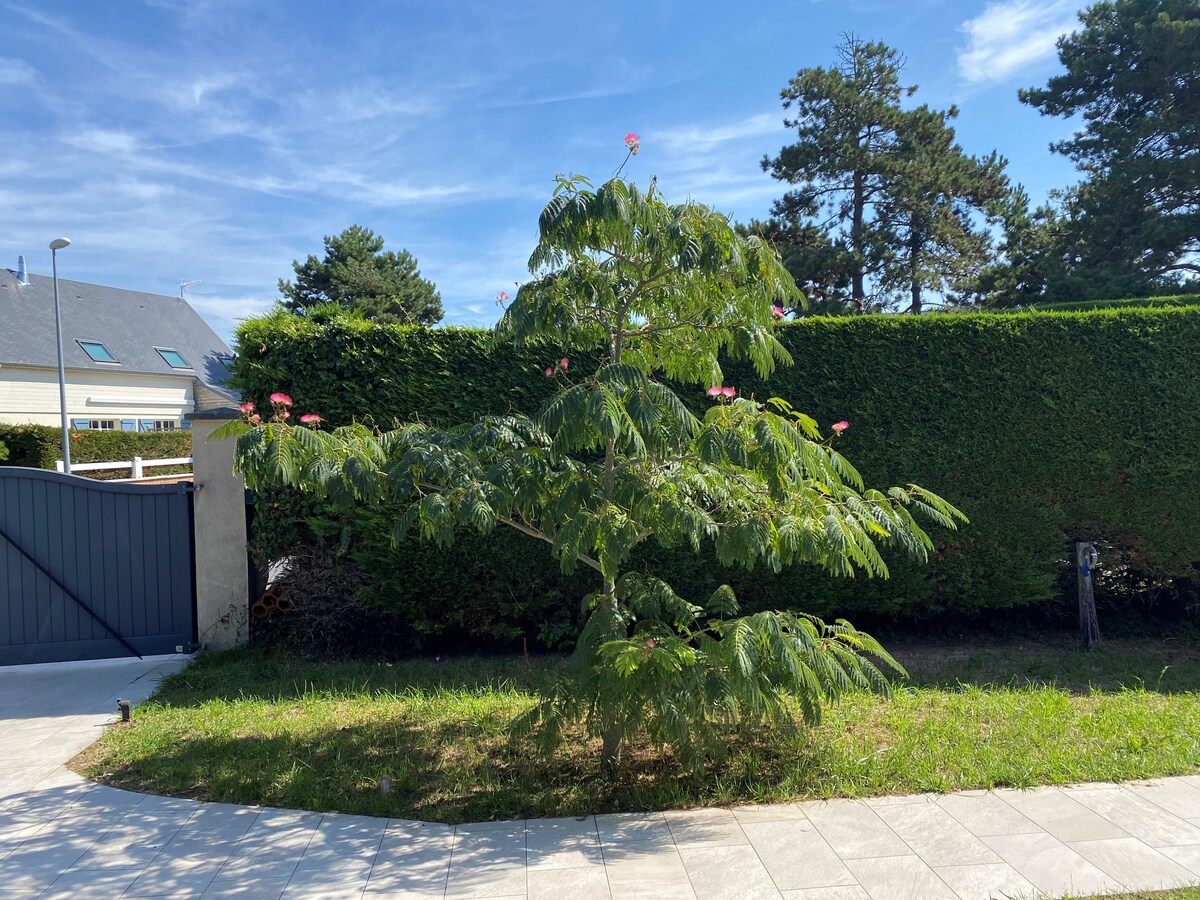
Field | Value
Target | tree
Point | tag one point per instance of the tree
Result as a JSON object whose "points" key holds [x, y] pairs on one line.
{"points": [[819, 265], [886, 199], [1044, 255], [927, 230], [847, 118], [655, 293], [1133, 73], [356, 273]]}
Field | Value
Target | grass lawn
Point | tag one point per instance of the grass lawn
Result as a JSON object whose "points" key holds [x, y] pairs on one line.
{"points": [[256, 727]]}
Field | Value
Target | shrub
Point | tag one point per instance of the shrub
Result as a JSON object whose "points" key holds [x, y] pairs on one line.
{"points": [[40, 447], [1041, 427]]}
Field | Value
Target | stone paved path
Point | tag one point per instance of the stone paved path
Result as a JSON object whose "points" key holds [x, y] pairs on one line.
{"points": [[62, 836]]}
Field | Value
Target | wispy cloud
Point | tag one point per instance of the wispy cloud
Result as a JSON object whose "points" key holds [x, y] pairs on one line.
{"points": [[15, 72], [1008, 37]]}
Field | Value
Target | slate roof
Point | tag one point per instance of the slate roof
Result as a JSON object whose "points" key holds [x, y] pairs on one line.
{"points": [[129, 323]]}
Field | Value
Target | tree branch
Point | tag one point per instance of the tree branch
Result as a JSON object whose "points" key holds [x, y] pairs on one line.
{"points": [[533, 532]]}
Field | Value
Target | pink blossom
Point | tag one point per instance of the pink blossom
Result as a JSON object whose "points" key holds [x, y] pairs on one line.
{"points": [[777, 312], [549, 371], [501, 298], [714, 391], [563, 363], [311, 419], [256, 419], [728, 391], [283, 414], [281, 398], [246, 407], [841, 426], [650, 642], [633, 140]]}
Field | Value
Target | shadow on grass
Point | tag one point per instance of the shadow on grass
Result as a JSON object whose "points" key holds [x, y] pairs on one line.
{"points": [[1162, 666], [427, 771]]}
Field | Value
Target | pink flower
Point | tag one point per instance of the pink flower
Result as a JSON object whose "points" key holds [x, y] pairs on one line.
{"points": [[501, 298], [310, 419], [281, 398], [633, 140], [841, 426], [283, 414], [563, 363], [549, 371], [728, 391], [777, 312], [650, 642], [246, 407], [714, 391], [256, 419]]}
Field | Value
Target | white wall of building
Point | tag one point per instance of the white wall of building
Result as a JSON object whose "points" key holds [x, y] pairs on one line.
{"points": [[29, 396]]}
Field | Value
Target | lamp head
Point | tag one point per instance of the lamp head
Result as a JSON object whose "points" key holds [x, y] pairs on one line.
{"points": [[60, 243]]}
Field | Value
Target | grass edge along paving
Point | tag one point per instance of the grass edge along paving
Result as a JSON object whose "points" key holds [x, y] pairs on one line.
{"points": [[428, 739]]}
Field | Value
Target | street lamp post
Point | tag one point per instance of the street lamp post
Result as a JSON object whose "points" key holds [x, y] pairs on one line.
{"points": [[56, 245]]}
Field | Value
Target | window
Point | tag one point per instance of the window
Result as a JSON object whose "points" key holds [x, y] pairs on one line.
{"points": [[173, 358], [98, 352], [165, 425], [102, 424]]}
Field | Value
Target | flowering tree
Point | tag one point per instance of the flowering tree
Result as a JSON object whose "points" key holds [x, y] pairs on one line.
{"points": [[614, 459]]}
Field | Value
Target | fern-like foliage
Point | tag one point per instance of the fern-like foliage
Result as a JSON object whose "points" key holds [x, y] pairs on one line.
{"points": [[615, 458]]}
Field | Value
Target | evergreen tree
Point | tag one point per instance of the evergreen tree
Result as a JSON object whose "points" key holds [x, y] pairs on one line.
{"points": [[928, 234], [357, 274], [846, 118], [1133, 74], [886, 200], [819, 266]]}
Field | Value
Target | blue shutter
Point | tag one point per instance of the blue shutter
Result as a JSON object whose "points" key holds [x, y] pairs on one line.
{"points": [[129, 424], [146, 425], [81, 424]]}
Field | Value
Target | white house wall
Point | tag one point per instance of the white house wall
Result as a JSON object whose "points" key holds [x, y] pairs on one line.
{"points": [[29, 396]]}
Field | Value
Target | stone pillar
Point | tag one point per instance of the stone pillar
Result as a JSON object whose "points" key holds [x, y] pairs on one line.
{"points": [[222, 568]]}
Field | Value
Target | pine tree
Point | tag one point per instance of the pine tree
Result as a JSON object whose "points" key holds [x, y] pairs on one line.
{"points": [[846, 119], [357, 274], [1132, 71], [928, 227]]}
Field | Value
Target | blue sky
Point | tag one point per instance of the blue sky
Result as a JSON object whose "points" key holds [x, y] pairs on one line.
{"points": [[221, 139]]}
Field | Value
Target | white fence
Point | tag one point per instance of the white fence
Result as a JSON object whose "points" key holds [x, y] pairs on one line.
{"points": [[137, 465]]}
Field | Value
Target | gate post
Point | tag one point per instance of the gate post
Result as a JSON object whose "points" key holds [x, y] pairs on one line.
{"points": [[219, 510]]}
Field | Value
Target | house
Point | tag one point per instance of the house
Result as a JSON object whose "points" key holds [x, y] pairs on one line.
{"points": [[133, 361]]}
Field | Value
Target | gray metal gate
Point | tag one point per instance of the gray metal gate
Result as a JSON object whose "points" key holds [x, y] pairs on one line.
{"points": [[92, 569]]}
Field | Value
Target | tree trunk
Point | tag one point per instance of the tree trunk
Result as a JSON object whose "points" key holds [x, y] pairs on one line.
{"points": [[914, 278], [610, 751], [858, 289]]}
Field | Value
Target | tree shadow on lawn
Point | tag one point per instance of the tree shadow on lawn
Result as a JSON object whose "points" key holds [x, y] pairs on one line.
{"points": [[1164, 666], [412, 770]]}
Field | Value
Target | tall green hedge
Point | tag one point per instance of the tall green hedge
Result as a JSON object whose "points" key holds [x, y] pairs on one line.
{"points": [[40, 447], [1042, 427]]}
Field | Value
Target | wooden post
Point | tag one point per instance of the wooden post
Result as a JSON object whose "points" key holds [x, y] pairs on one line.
{"points": [[1089, 623], [137, 467]]}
